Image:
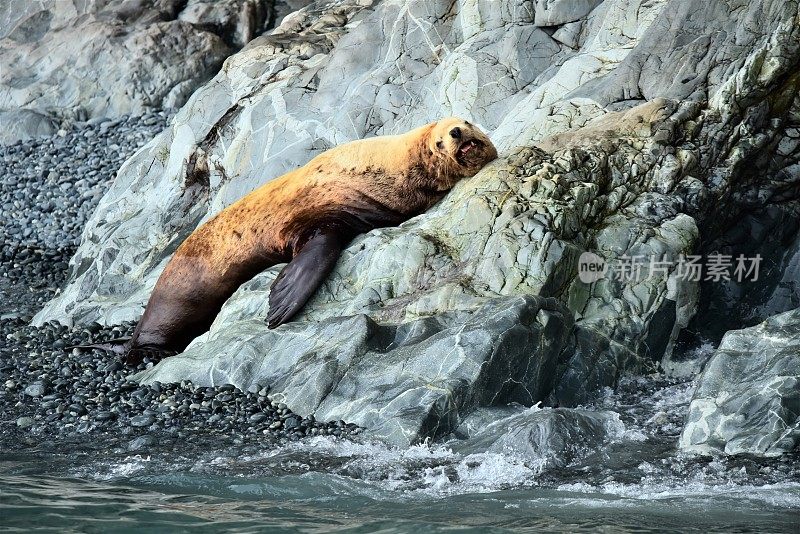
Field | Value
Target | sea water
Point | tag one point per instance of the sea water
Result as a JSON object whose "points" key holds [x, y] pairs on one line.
{"points": [[637, 482]]}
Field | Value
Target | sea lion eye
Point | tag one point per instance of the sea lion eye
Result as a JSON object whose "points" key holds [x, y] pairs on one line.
{"points": [[439, 144]]}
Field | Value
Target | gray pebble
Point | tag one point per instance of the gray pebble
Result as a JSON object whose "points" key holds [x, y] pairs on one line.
{"points": [[25, 422], [35, 390], [142, 420], [141, 442]]}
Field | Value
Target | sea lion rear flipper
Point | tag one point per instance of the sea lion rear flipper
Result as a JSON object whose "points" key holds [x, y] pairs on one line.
{"points": [[136, 355], [302, 276], [115, 346]]}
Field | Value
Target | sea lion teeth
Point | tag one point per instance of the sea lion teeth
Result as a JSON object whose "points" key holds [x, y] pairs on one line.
{"points": [[467, 146]]}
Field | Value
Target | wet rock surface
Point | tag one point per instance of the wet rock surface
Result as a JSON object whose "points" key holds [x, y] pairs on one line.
{"points": [[748, 397], [546, 438]]}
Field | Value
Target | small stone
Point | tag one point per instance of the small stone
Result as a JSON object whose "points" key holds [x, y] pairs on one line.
{"points": [[35, 390], [291, 422], [257, 417], [25, 422], [142, 420], [141, 442]]}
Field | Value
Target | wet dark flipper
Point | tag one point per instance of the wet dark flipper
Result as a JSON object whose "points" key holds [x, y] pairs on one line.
{"points": [[302, 276]]}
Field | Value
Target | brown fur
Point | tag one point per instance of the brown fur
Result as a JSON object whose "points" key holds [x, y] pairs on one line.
{"points": [[350, 189]]}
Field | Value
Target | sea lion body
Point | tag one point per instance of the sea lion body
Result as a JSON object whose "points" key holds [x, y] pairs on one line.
{"points": [[304, 217]]}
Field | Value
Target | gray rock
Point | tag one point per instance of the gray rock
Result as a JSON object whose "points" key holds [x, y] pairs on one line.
{"points": [[22, 124], [105, 59], [25, 422], [558, 12], [748, 398], [142, 420], [35, 390], [543, 438], [771, 232], [403, 383], [141, 442], [236, 21]]}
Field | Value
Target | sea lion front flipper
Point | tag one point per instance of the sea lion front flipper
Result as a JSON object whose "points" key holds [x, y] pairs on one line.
{"points": [[302, 276]]}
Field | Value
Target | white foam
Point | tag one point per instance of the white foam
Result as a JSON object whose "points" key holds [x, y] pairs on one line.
{"points": [[128, 467], [432, 470], [785, 495]]}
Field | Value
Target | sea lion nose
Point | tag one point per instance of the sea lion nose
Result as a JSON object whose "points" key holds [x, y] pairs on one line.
{"points": [[455, 133]]}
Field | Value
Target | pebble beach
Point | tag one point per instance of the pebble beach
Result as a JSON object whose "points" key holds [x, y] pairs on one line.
{"points": [[49, 186]]}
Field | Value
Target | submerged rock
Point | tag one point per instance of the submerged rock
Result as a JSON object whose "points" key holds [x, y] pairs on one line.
{"points": [[748, 397], [403, 383], [543, 438]]}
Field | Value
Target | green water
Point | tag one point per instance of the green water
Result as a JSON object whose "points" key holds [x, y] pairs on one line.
{"points": [[638, 482], [320, 503], [329, 486]]}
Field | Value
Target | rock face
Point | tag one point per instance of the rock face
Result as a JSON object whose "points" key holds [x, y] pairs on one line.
{"points": [[78, 60], [626, 130], [748, 397], [404, 383]]}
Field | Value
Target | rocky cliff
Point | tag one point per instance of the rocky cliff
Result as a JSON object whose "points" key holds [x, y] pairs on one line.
{"points": [[654, 130], [74, 60]]}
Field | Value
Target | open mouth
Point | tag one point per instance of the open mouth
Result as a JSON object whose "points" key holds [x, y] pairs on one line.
{"points": [[467, 147]]}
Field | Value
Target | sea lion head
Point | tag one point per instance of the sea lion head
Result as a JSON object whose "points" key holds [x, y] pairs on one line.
{"points": [[463, 149]]}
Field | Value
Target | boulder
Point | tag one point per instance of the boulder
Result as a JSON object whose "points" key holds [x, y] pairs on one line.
{"points": [[404, 383], [23, 124], [82, 60], [542, 438], [748, 397]]}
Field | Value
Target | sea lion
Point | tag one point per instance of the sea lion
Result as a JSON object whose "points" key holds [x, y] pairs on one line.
{"points": [[305, 218]]}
